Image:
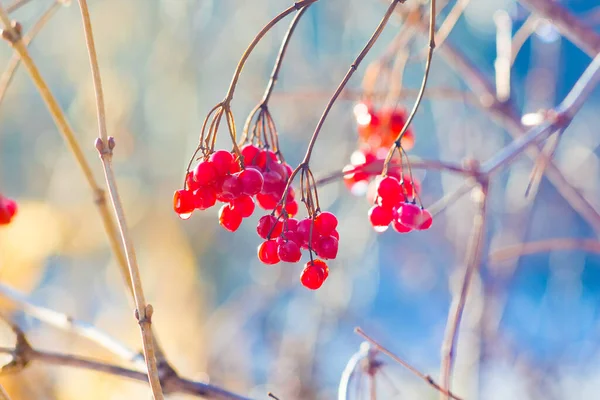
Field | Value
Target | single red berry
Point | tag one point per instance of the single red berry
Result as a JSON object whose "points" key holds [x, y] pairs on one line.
{"points": [[325, 223], [336, 235], [295, 237], [244, 205], [408, 214], [183, 202], [304, 229], [291, 208], [267, 252], [205, 173], [269, 226], [229, 219], [380, 218], [265, 158], [398, 227], [321, 264], [205, 198], [221, 160], [327, 247], [279, 169], [389, 190], [288, 169], [250, 152], [312, 276], [273, 183], [252, 181], [234, 167], [291, 224], [232, 187], [8, 209], [289, 251], [424, 220], [267, 201], [190, 183]]}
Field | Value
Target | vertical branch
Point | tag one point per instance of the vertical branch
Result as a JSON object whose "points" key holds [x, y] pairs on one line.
{"points": [[502, 64], [473, 260], [105, 146]]}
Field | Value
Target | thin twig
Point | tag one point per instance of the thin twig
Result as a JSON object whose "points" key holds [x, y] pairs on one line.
{"points": [[427, 378], [105, 146], [3, 394], [542, 246], [572, 28], [17, 4], [70, 324], [521, 36], [502, 65], [473, 261], [15, 60]]}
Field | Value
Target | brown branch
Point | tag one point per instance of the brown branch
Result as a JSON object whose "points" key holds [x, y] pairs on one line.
{"points": [[542, 246], [572, 28], [427, 378], [473, 261]]}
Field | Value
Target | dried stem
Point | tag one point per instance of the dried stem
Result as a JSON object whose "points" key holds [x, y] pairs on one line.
{"points": [[17, 4], [427, 378], [521, 36], [503, 64], [560, 244], [13, 36], [105, 146], [473, 261], [15, 60], [580, 34]]}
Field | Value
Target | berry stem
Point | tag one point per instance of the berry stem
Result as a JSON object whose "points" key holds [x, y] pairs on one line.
{"points": [[348, 75]]}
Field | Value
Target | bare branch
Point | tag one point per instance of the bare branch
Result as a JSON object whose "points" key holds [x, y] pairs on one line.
{"points": [[560, 244]]}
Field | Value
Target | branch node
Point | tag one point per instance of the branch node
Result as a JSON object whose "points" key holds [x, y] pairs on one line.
{"points": [[14, 34], [102, 148], [147, 317]]}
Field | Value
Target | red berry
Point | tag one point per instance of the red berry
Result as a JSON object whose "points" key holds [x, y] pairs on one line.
{"points": [[273, 183], [291, 208], [8, 209], [389, 190], [232, 187], [205, 173], [269, 226], [424, 220], [252, 181], [289, 252], [221, 160], [303, 229], [380, 218], [249, 152], [190, 183], [325, 223], [229, 219], [234, 166], [267, 201], [321, 264], [291, 224], [327, 247], [205, 198], [183, 202], [295, 237], [279, 169], [312, 276], [408, 214], [336, 235], [243, 205], [265, 158], [267, 252]]}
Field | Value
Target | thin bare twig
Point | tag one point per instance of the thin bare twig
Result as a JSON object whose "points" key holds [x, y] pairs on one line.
{"points": [[542, 246], [105, 146], [521, 36], [15, 5], [572, 28], [427, 378]]}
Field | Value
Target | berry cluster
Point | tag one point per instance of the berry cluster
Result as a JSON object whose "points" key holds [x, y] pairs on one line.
{"points": [[220, 178], [392, 206], [285, 237], [378, 129], [8, 209]]}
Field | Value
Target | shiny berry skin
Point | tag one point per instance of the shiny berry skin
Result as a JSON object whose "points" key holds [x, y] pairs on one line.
{"points": [[424, 220], [327, 247], [303, 230], [229, 219], [265, 158], [232, 187], [321, 264], [243, 205], [312, 276], [289, 251], [408, 214], [190, 183], [291, 208], [269, 226], [291, 224], [8, 209], [267, 252], [336, 235], [325, 223], [267, 201], [183, 202], [205, 198], [250, 152], [221, 160], [389, 190], [398, 227], [274, 184], [252, 181], [380, 217], [205, 173]]}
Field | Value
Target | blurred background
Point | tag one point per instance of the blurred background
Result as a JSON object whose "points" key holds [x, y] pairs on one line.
{"points": [[531, 329]]}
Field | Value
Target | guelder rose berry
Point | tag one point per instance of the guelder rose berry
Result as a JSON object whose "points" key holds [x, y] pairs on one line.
{"points": [[205, 173], [267, 252], [221, 160], [251, 180], [408, 214], [380, 218], [289, 252], [314, 274], [325, 223], [229, 219], [8, 209]]}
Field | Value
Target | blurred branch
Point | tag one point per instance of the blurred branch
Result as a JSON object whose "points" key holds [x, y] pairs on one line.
{"points": [[572, 28], [427, 378], [105, 146], [521, 36], [560, 244], [15, 60], [15, 5], [70, 324], [3, 394], [473, 262]]}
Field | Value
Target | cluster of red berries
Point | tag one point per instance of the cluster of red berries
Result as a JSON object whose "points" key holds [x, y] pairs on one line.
{"points": [[220, 178], [391, 206], [378, 129], [8, 209], [286, 237]]}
